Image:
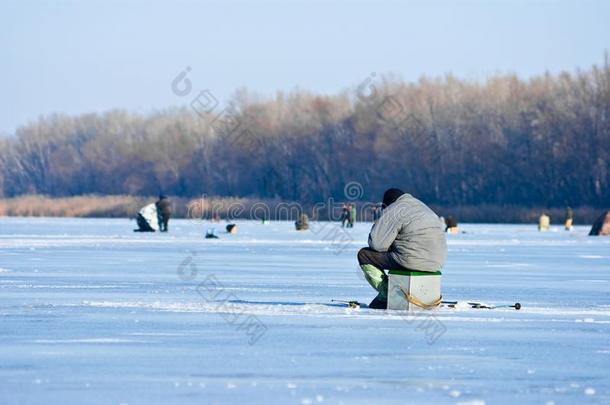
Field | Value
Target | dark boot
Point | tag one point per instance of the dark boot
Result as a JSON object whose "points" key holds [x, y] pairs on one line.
{"points": [[378, 303]]}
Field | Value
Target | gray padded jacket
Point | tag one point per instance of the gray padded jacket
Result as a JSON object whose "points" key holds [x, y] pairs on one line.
{"points": [[412, 233]]}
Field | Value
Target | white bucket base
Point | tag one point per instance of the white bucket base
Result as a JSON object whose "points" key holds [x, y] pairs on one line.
{"points": [[423, 286]]}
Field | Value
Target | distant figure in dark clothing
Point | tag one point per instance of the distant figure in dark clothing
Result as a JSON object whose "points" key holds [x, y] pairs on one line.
{"points": [[344, 215], [451, 225], [377, 210], [601, 227], [569, 219], [164, 212], [352, 215], [302, 224]]}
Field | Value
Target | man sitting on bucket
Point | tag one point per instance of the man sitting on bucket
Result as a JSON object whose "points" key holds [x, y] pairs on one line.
{"points": [[407, 236]]}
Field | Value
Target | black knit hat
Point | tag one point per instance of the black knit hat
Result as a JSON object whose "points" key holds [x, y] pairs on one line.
{"points": [[391, 195]]}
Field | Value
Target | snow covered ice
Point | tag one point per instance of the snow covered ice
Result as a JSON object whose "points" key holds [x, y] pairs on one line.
{"points": [[93, 313]]}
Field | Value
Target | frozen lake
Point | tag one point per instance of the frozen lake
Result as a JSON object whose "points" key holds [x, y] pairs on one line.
{"points": [[93, 313]]}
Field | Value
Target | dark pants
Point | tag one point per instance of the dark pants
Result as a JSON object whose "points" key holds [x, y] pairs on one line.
{"points": [[163, 221], [381, 260]]}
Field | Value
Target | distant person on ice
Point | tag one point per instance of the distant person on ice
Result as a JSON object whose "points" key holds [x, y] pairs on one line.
{"points": [[344, 215], [164, 212], [408, 236], [352, 215], [377, 211], [569, 220], [302, 224], [601, 227], [544, 222], [451, 225]]}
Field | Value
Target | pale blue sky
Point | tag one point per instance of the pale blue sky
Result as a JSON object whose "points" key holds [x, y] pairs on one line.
{"points": [[84, 56]]}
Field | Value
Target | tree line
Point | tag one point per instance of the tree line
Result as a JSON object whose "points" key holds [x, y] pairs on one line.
{"points": [[543, 141]]}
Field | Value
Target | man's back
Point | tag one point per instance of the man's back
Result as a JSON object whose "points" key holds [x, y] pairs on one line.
{"points": [[412, 233], [164, 206]]}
